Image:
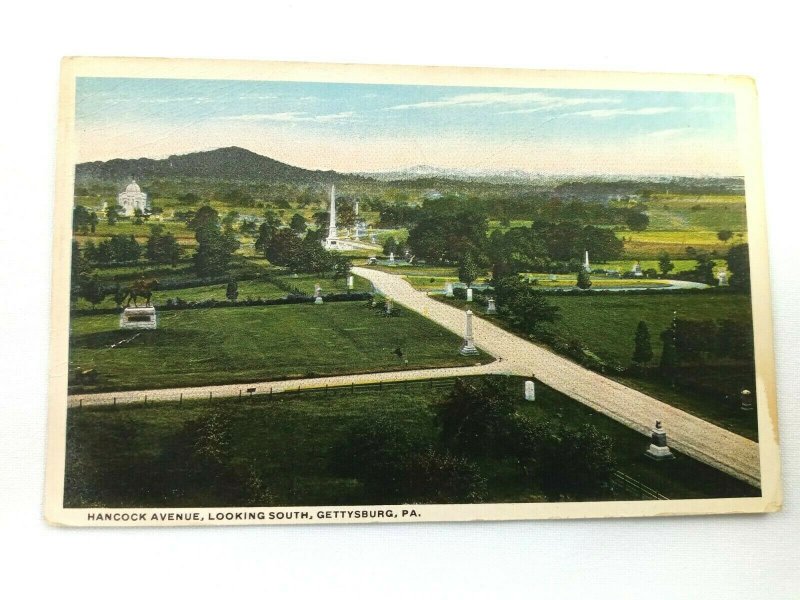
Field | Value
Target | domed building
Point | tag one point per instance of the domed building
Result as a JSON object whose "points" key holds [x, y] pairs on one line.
{"points": [[131, 199]]}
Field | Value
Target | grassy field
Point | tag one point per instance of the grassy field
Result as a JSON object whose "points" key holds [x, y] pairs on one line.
{"points": [[289, 441], [226, 345], [643, 245], [605, 325]]}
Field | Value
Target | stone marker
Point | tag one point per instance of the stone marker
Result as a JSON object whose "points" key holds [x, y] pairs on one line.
{"points": [[389, 306], [722, 278], [530, 390], [391, 257], [448, 289], [747, 400], [491, 309], [469, 294], [138, 318], [317, 294], [468, 347], [658, 449], [349, 282]]}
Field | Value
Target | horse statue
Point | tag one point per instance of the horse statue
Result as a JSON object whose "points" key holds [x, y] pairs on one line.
{"points": [[142, 288]]}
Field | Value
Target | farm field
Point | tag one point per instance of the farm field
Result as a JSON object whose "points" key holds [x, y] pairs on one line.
{"points": [[289, 440], [197, 347]]}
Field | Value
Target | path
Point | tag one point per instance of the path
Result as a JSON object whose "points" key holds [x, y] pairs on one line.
{"points": [[688, 434]]}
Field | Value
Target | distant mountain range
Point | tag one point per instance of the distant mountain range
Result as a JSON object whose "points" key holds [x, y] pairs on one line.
{"points": [[238, 164], [232, 164]]}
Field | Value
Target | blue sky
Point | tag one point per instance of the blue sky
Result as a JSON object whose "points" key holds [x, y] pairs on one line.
{"points": [[367, 127]]}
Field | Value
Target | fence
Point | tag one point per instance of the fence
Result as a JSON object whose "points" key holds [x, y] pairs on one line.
{"points": [[263, 393], [626, 483]]}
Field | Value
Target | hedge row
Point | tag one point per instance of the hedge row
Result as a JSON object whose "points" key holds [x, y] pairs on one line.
{"points": [[180, 304]]}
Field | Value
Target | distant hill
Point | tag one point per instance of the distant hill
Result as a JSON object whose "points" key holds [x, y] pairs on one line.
{"points": [[229, 164]]}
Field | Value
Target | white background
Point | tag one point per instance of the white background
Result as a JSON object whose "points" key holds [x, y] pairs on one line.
{"points": [[704, 557]]}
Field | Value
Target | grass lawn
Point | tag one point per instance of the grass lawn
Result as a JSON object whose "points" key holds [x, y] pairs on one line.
{"points": [[111, 450], [606, 324], [643, 245], [226, 345]]}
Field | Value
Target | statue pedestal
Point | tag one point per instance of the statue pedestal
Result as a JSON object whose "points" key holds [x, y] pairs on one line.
{"points": [[658, 449], [138, 318]]}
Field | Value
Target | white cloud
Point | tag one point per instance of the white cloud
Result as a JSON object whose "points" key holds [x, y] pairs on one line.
{"points": [[541, 100], [668, 133], [292, 117], [605, 113]]}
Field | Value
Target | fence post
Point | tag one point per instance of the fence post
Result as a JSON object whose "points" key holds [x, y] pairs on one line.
{"points": [[180, 399], [80, 403], [270, 393], [145, 399], [115, 400], [240, 392]]}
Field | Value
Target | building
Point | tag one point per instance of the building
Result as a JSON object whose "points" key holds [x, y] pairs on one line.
{"points": [[131, 199]]}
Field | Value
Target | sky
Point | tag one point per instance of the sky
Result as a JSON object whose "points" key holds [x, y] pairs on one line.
{"points": [[375, 127]]}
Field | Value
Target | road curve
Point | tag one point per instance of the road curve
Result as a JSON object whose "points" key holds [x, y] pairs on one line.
{"points": [[713, 445]]}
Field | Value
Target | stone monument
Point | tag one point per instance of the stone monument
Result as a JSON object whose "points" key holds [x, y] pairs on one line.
{"points": [[637, 269], [143, 317], [722, 277], [586, 266], [448, 289], [317, 294], [349, 282], [658, 449], [391, 258], [747, 400], [468, 347], [491, 309], [530, 390], [389, 306], [469, 294]]}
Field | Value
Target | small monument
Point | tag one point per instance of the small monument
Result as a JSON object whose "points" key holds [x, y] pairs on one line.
{"points": [[658, 449], [491, 309], [391, 258], [317, 294], [637, 269], [586, 266], [530, 390], [349, 282], [332, 241], [469, 294], [722, 278], [448, 289], [389, 306], [143, 317], [373, 239], [468, 347], [747, 400]]}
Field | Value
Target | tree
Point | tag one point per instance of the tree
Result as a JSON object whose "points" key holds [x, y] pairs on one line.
{"points": [[232, 291], [584, 281], [81, 219], [526, 308], [477, 417], [310, 256], [724, 235], [642, 351], [468, 269], [669, 355], [205, 218], [93, 291], [93, 221], [389, 246], [230, 219], [162, 247], [112, 214], [266, 232], [738, 260], [664, 263], [298, 223], [636, 220], [341, 265], [79, 270], [214, 251], [282, 244], [119, 293], [137, 216], [436, 477], [704, 271], [447, 228], [575, 463]]}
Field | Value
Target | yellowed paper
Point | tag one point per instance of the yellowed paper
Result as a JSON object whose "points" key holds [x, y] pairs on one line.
{"points": [[302, 293]]}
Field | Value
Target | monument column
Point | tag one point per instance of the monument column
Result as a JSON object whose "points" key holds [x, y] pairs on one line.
{"points": [[468, 347]]}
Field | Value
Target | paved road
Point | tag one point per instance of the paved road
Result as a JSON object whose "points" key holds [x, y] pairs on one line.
{"points": [[691, 435]]}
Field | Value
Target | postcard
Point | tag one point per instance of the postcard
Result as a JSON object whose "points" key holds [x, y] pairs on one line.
{"points": [[289, 293]]}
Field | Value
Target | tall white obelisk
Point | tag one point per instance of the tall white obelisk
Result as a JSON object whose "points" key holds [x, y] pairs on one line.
{"points": [[332, 240]]}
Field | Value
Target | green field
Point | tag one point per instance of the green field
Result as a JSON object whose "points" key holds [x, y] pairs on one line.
{"points": [[114, 452], [226, 345], [605, 325]]}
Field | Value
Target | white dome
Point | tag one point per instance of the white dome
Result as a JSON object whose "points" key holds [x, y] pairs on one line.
{"points": [[133, 187]]}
